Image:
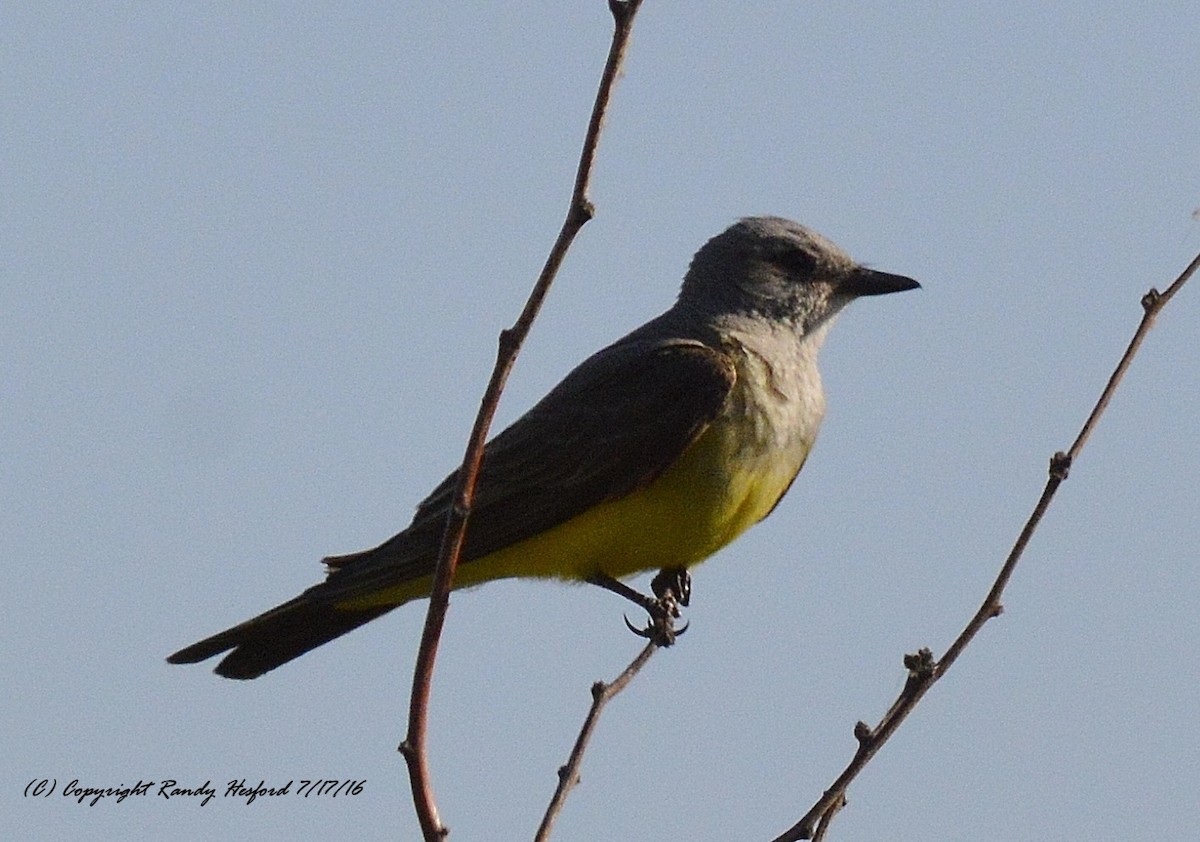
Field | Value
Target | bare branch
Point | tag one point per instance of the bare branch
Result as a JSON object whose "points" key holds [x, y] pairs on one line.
{"points": [[568, 775], [580, 211], [924, 672]]}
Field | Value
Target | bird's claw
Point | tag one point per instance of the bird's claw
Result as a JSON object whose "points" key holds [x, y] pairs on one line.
{"points": [[672, 588], [660, 627], [661, 632], [639, 632]]}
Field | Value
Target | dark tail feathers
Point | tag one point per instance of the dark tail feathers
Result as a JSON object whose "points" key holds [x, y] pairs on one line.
{"points": [[276, 636]]}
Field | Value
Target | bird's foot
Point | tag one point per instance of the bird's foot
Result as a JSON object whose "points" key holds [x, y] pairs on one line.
{"points": [[660, 628], [673, 582], [672, 589]]}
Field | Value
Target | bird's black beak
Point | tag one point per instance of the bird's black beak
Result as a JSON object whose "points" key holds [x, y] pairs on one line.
{"points": [[863, 281]]}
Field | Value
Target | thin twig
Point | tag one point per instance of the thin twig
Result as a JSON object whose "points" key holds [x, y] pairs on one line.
{"points": [[924, 672], [568, 775], [580, 211]]}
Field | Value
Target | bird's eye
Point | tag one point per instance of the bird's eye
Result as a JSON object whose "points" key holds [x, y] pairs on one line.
{"points": [[797, 262]]}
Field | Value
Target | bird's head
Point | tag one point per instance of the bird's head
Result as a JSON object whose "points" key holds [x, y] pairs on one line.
{"points": [[775, 268]]}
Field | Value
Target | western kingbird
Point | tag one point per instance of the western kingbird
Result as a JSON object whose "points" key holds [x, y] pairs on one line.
{"points": [[653, 453]]}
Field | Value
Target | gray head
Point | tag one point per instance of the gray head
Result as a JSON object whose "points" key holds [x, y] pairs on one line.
{"points": [[776, 268]]}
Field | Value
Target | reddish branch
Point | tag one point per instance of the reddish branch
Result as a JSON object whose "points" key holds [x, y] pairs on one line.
{"points": [[414, 746], [568, 775]]}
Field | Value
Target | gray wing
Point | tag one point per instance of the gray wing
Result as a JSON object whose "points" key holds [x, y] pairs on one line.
{"points": [[609, 428]]}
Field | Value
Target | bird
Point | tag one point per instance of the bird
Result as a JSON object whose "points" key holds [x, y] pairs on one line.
{"points": [[653, 453]]}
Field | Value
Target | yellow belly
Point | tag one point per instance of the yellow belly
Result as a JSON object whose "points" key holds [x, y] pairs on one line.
{"points": [[713, 493], [693, 509]]}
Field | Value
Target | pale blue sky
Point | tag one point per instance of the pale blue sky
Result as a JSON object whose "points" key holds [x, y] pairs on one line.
{"points": [[254, 259]]}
